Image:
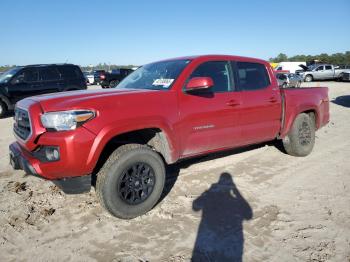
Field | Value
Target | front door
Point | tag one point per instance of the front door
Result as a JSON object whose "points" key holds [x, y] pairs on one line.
{"points": [[24, 84], [209, 120], [319, 73]]}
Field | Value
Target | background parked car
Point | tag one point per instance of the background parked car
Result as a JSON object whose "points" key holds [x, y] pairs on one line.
{"points": [[322, 72], [288, 80], [111, 80], [345, 75], [97, 74], [90, 79], [24, 81]]}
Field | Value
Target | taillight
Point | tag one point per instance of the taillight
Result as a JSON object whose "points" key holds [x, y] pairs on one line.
{"points": [[102, 77]]}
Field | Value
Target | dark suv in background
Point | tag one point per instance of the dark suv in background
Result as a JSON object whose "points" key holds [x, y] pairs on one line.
{"points": [[24, 81]]}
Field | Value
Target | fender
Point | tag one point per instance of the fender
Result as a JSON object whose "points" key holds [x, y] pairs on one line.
{"points": [[114, 130], [291, 115]]}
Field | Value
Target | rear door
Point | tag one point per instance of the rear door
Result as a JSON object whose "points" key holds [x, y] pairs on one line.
{"points": [[50, 79], [260, 114], [209, 120], [328, 72]]}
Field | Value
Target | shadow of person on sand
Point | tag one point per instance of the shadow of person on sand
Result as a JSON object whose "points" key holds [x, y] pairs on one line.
{"points": [[342, 101], [220, 233]]}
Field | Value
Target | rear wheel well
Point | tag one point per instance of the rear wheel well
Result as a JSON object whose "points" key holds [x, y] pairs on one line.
{"points": [[313, 115], [155, 138]]}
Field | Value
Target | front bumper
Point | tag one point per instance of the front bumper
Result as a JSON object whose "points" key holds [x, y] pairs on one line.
{"points": [[20, 159]]}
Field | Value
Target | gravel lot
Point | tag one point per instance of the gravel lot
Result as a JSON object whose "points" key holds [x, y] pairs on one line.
{"points": [[257, 204]]}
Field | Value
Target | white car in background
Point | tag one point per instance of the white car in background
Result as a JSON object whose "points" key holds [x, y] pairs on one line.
{"points": [[90, 78]]}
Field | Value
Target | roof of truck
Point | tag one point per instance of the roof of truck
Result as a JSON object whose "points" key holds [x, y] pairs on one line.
{"points": [[216, 56]]}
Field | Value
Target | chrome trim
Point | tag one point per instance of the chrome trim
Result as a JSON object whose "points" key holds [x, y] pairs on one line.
{"points": [[30, 125]]}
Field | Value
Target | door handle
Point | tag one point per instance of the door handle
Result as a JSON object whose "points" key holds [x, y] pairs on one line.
{"points": [[233, 103]]}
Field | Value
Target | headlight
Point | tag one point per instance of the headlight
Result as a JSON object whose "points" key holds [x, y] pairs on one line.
{"points": [[66, 120]]}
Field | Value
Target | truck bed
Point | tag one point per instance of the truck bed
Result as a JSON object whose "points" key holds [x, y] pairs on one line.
{"points": [[297, 100]]}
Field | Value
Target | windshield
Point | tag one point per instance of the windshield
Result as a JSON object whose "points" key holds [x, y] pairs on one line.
{"points": [[312, 67], [159, 75], [7, 75]]}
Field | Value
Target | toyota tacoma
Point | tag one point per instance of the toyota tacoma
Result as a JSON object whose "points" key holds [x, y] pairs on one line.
{"points": [[121, 139]]}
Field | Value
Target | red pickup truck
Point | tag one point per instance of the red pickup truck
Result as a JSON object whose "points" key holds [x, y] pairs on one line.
{"points": [[162, 112]]}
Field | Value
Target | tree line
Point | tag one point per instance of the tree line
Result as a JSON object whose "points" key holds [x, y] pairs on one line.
{"points": [[337, 58]]}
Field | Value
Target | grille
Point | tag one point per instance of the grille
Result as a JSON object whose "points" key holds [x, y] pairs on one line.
{"points": [[22, 126]]}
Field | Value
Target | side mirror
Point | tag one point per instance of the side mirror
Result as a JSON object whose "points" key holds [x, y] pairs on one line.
{"points": [[199, 83]]}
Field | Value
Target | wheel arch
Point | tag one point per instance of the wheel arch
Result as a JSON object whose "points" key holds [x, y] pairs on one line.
{"points": [[312, 111], [156, 138], [312, 76], [6, 101]]}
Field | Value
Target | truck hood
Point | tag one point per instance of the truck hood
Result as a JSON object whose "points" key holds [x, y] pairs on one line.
{"points": [[84, 98]]}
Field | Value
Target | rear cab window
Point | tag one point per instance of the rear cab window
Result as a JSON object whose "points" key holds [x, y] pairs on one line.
{"points": [[251, 76]]}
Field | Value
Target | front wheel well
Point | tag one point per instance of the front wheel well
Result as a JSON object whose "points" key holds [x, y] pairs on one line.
{"points": [[155, 138]]}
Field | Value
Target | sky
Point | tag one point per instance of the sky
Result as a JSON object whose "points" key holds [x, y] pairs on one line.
{"points": [[138, 32]]}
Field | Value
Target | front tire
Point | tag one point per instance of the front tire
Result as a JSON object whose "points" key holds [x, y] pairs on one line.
{"points": [[301, 137], [113, 83], [309, 78], [131, 181]]}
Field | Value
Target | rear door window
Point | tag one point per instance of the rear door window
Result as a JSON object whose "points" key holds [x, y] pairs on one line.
{"points": [[69, 72], [49, 74], [328, 67], [252, 76]]}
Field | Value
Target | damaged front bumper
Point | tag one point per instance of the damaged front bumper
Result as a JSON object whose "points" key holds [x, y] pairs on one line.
{"points": [[20, 159]]}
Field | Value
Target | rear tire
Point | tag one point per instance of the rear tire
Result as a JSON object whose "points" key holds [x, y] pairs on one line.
{"points": [[309, 78], [301, 137], [131, 181], [3, 109], [113, 83]]}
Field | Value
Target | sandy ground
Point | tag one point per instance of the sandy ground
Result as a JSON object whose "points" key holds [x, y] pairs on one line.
{"points": [[254, 204]]}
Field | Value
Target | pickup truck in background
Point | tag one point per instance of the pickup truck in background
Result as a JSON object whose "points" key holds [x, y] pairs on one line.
{"points": [[112, 79], [345, 75], [120, 139], [97, 76], [322, 72]]}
